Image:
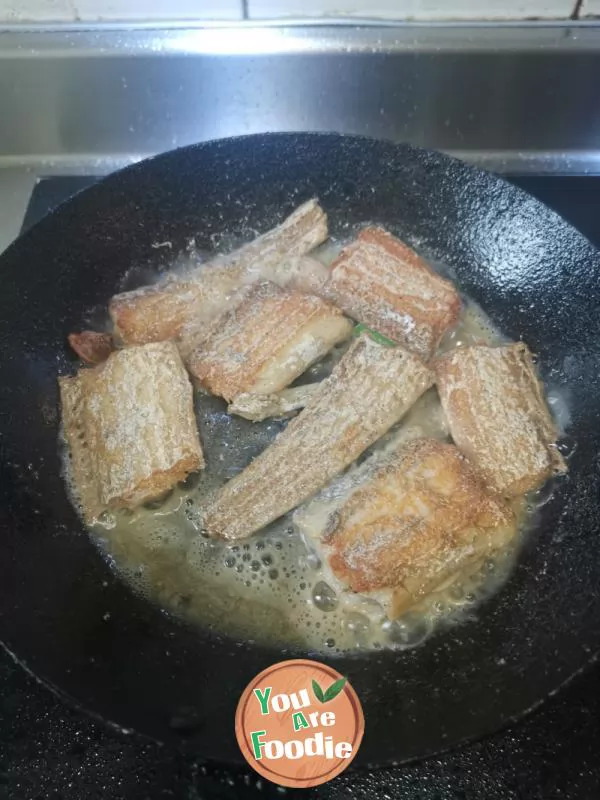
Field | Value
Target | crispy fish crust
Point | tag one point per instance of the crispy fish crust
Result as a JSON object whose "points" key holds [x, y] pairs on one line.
{"points": [[162, 311], [91, 347], [302, 273], [369, 390], [498, 415], [266, 341], [257, 407], [379, 281], [420, 517], [130, 427]]}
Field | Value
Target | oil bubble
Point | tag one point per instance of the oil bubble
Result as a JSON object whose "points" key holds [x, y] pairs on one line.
{"points": [[313, 561], [324, 597], [409, 631], [359, 626]]}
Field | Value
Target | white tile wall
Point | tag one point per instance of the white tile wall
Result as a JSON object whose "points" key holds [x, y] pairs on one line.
{"points": [[15, 11], [413, 9], [126, 10], [590, 8]]}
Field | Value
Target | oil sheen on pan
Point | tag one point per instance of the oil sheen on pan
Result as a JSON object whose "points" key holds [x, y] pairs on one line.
{"points": [[365, 541]]}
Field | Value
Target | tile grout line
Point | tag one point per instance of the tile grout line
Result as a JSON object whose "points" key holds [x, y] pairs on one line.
{"points": [[576, 9]]}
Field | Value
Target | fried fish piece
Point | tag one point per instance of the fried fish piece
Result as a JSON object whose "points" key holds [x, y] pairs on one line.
{"points": [[303, 273], [369, 390], [379, 281], [498, 415], [91, 347], [266, 341], [160, 312], [418, 519], [130, 428], [257, 407]]}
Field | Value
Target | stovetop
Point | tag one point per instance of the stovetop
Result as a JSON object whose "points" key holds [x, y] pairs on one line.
{"points": [[511, 98], [48, 750]]}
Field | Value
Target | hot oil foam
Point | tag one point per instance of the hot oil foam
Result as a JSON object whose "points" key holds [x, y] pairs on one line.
{"points": [[272, 587]]}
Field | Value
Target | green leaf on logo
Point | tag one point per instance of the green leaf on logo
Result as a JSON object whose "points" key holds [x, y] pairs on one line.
{"points": [[331, 693], [318, 691], [334, 689]]}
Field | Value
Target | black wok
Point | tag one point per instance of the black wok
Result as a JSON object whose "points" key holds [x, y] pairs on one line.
{"points": [[73, 623]]}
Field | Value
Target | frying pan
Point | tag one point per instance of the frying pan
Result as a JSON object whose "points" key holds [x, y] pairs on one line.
{"points": [[76, 625]]}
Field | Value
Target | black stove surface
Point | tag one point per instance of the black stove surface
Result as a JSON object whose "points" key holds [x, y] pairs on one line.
{"points": [[48, 750]]}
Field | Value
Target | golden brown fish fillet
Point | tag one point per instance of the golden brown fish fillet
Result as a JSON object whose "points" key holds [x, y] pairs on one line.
{"points": [[369, 390], [498, 415], [303, 273], [160, 312], [419, 518], [130, 427], [379, 281], [91, 347], [257, 407], [266, 341]]}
